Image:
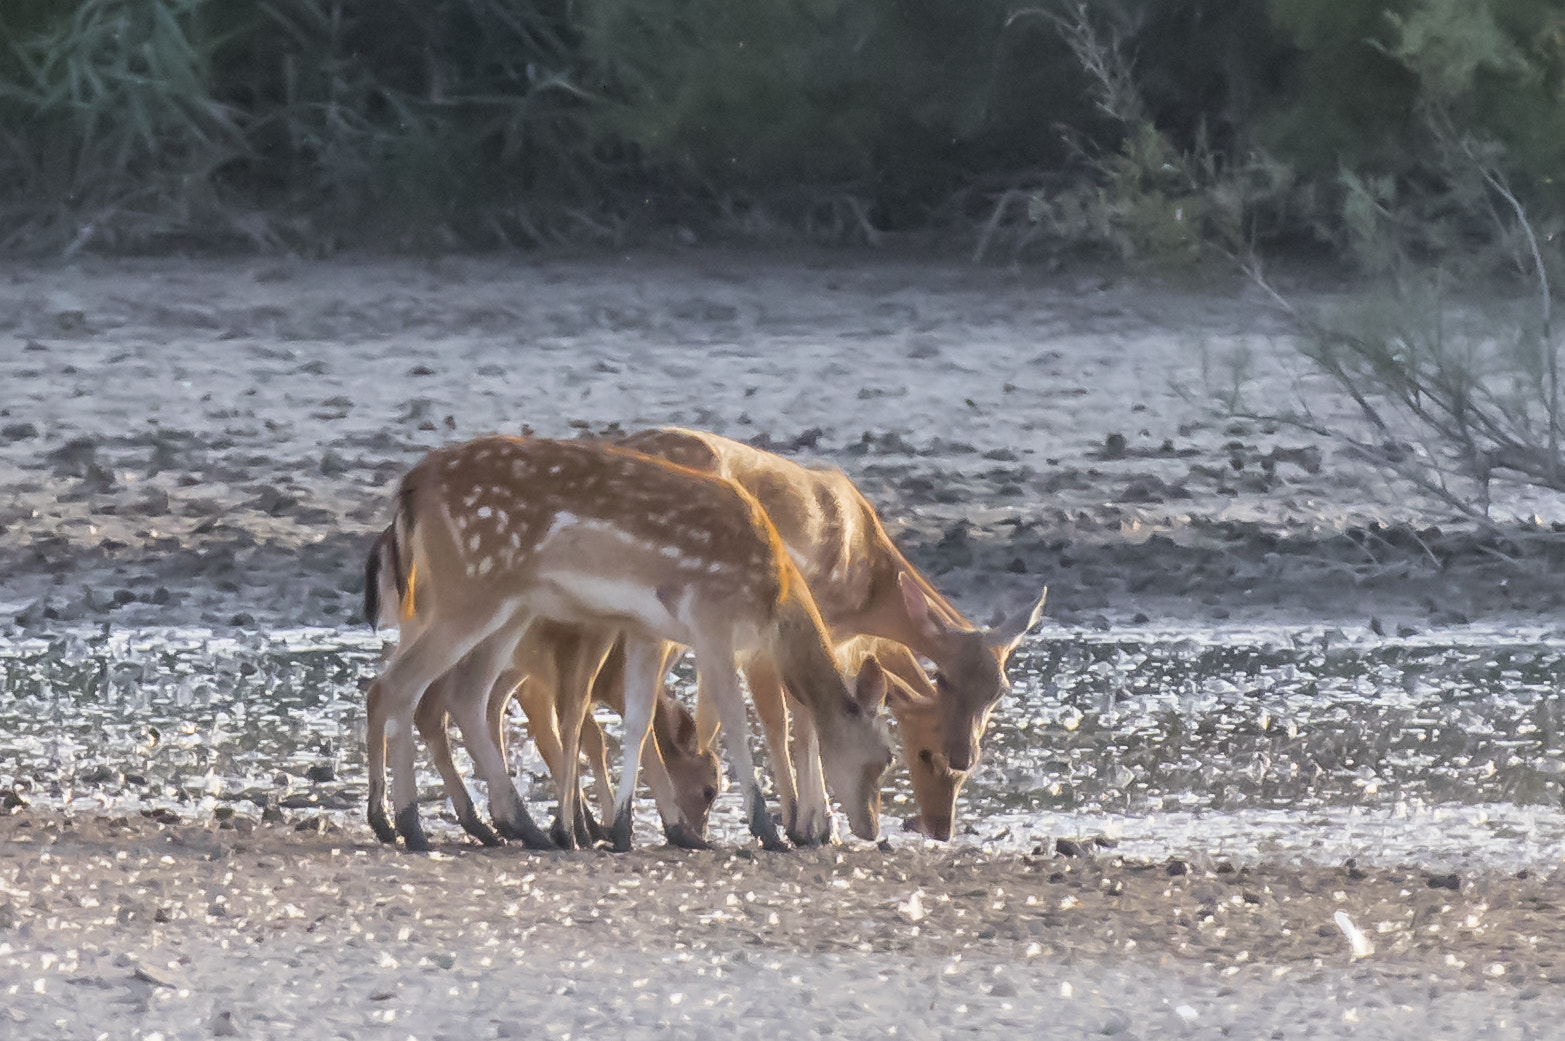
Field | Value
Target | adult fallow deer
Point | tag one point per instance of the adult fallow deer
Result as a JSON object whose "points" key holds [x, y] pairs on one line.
{"points": [[501, 533], [863, 585]]}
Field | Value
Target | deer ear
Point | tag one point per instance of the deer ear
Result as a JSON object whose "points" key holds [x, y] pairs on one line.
{"points": [[685, 731], [869, 689], [917, 606], [1007, 636], [899, 697]]}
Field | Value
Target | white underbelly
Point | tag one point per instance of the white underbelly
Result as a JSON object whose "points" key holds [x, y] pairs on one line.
{"points": [[576, 598]]}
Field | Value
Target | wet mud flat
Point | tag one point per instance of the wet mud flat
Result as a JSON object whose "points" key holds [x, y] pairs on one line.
{"points": [[240, 928], [213, 443]]}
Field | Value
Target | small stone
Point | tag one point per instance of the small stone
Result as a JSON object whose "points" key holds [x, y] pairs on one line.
{"points": [[223, 1025], [1177, 867], [321, 773]]}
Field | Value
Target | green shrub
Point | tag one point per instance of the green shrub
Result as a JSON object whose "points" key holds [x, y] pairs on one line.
{"points": [[111, 133], [1146, 199], [885, 98], [443, 119]]}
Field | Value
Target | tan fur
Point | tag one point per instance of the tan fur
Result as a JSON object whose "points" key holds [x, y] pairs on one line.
{"points": [[505, 532], [863, 585]]}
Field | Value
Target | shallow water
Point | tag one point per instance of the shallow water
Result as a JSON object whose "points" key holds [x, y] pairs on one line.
{"points": [[1440, 749]]}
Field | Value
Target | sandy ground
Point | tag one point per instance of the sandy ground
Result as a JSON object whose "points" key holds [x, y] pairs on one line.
{"points": [[269, 931], [210, 443]]}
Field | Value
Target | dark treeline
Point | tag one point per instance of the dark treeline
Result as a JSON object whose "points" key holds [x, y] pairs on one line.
{"points": [[141, 124]]}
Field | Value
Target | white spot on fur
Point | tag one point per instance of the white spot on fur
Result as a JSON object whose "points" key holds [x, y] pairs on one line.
{"points": [[472, 544], [516, 539], [486, 565], [562, 520], [485, 512]]}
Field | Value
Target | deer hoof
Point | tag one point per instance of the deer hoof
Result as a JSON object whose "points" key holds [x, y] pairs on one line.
{"points": [[683, 836], [412, 830]]}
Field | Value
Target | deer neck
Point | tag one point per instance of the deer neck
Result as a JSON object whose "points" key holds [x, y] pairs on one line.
{"points": [[883, 612], [804, 659]]}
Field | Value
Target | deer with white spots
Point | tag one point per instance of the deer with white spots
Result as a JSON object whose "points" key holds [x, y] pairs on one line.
{"points": [[684, 777], [863, 586], [501, 533]]}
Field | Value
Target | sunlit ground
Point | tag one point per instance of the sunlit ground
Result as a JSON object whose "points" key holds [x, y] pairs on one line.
{"points": [[1440, 749]]}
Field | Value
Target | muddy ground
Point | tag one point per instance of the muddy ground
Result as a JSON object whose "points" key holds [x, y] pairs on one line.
{"points": [[211, 443], [272, 931]]}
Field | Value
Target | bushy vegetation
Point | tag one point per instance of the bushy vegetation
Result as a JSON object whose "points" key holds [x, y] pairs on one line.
{"points": [[136, 124]]}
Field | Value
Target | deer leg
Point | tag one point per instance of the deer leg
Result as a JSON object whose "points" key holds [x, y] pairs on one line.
{"points": [[375, 726], [595, 749], [609, 688], [708, 721], [469, 706], [543, 722], [578, 665], [430, 718], [717, 681], [766, 692], [813, 823], [417, 663], [643, 673]]}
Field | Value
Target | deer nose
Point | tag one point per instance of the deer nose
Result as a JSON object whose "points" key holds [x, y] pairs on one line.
{"points": [[937, 827]]}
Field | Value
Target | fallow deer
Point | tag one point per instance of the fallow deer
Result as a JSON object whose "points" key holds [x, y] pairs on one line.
{"points": [[863, 585], [684, 778], [500, 533]]}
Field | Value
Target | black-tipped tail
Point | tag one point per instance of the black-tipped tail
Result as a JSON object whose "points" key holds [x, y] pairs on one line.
{"points": [[372, 580]]}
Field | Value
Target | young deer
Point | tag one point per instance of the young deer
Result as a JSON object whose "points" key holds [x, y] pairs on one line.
{"points": [[683, 777], [915, 702], [863, 585], [500, 533]]}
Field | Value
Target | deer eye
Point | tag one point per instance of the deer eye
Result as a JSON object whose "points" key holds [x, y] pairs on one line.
{"points": [[925, 757], [709, 794]]}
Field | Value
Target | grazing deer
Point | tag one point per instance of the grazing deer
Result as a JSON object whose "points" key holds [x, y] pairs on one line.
{"points": [[863, 585], [500, 533], [915, 702], [684, 778]]}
